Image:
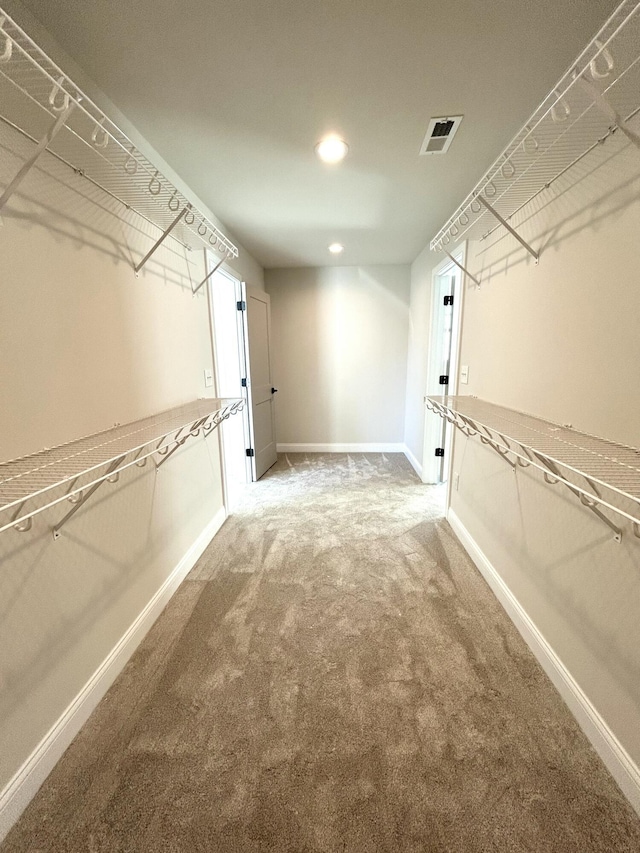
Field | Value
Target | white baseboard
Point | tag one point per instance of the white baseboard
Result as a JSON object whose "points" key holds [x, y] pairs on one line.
{"points": [[619, 763], [342, 448], [417, 467], [21, 789]]}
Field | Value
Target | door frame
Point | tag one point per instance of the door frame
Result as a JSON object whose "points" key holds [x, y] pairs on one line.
{"points": [[251, 459], [225, 449], [248, 293], [433, 427]]}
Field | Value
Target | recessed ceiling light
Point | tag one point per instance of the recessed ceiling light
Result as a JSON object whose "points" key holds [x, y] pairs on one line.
{"points": [[332, 149], [336, 248]]}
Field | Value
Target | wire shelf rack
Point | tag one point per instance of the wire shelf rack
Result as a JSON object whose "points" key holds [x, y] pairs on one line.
{"points": [[73, 471], [44, 105], [600, 473], [596, 100]]}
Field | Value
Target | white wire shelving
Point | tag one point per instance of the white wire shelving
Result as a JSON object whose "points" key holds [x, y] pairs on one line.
{"points": [[596, 100], [70, 473], [603, 475], [47, 108]]}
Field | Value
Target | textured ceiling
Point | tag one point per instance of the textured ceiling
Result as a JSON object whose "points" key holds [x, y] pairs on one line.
{"points": [[234, 96]]}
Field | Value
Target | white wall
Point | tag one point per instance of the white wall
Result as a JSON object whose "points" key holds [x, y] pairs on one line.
{"points": [[561, 340], [85, 344], [340, 354]]}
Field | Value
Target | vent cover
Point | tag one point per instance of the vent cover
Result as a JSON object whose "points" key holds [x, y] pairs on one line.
{"points": [[440, 134]]}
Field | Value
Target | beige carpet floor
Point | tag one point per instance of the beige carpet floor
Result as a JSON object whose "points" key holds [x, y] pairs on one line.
{"points": [[334, 675]]}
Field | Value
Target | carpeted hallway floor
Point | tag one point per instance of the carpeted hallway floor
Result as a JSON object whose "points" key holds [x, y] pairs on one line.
{"points": [[334, 675]]}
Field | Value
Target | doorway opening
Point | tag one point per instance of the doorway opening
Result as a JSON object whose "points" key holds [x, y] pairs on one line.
{"points": [[442, 368]]}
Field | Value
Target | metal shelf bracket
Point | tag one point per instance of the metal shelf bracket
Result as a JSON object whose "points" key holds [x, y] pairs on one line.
{"points": [[511, 230], [73, 472], [91, 144], [208, 275], [161, 240], [26, 167], [596, 99], [605, 107], [459, 265], [83, 497], [21, 526], [610, 471], [194, 430], [503, 453], [582, 497]]}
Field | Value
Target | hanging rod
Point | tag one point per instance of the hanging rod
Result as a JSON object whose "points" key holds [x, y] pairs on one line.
{"points": [[597, 95], [74, 471], [34, 90], [602, 474]]}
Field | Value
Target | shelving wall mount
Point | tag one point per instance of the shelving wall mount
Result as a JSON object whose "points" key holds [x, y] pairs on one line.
{"points": [[595, 101], [603, 475], [71, 473], [51, 113]]}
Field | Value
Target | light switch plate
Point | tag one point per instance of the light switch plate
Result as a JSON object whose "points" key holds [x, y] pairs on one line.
{"points": [[208, 378], [464, 374]]}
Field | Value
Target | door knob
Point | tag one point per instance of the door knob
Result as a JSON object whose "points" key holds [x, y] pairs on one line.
{"points": [[274, 390]]}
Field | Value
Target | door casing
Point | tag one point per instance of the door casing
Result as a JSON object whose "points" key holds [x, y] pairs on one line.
{"points": [[260, 390], [227, 338], [433, 467]]}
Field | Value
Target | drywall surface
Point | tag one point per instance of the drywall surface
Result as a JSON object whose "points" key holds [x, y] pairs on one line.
{"points": [[418, 350], [340, 353], [86, 344], [561, 340]]}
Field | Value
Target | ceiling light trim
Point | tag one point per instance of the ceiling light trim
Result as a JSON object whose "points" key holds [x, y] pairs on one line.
{"points": [[332, 149]]}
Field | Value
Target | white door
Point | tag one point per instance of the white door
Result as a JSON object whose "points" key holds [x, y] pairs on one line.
{"points": [[445, 380], [260, 382], [442, 368], [229, 349]]}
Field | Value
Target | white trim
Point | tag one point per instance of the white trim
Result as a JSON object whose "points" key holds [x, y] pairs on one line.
{"points": [[21, 789], [451, 436], [218, 317], [374, 447], [613, 754], [432, 428], [417, 467]]}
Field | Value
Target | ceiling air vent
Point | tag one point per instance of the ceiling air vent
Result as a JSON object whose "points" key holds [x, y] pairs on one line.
{"points": [[440, 134]]}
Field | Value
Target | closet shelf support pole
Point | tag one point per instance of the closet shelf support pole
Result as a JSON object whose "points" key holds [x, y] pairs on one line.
{"points": [[161, 240], [26, 167], [605, 107], [504, 222], [86, 495], [208, 276], [459, 265]]}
